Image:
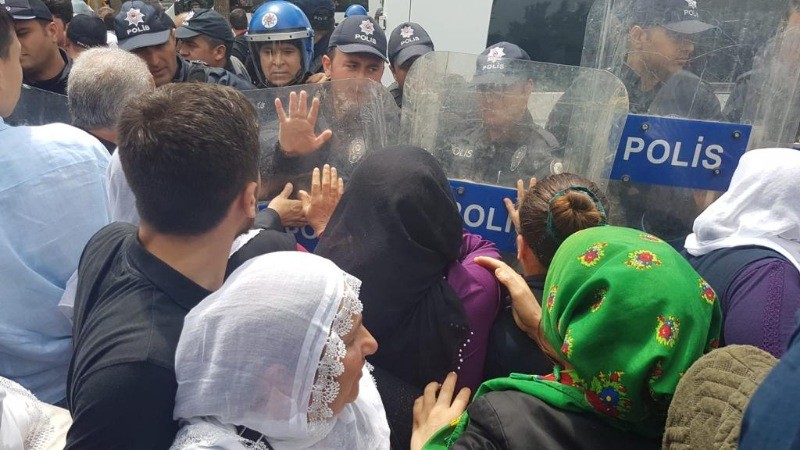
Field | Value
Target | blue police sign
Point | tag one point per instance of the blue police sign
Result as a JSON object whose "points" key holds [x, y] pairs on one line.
{"points": [[679, 152], [484, 213]]}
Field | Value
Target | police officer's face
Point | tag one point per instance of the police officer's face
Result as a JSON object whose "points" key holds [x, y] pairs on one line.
{"points": [[161, 60], [280, 62], [198, 48], [502, 105], [38, 39], [10, 77], [400, 72], [353, 65], [663, 52]]}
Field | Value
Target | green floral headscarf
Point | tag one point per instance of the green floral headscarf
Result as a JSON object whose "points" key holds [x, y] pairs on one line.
{"points": [[629, 315]]}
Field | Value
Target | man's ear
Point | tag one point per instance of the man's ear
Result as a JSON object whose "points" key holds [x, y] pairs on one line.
{"points": [[248, 200], [637, 36], [327, 65], [219, 53], [52, 32]]}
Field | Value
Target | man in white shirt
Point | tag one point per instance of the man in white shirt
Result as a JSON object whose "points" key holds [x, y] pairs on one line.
{"points": [[53, 198]]}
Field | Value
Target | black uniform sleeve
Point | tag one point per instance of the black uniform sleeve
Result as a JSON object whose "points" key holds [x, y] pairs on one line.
{"points": [[268, 219], [222, 76], [124, 406]]}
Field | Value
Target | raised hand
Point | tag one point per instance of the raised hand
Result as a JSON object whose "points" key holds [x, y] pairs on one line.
{"points": [[296, 133], [325, 195], [513, 210]]}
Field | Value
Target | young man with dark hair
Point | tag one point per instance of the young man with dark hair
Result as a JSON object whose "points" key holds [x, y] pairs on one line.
{"points": [[190, 155], [205, 36], [44, 65], [62, 15], [53, 198], [238, 20], [149, 33]]}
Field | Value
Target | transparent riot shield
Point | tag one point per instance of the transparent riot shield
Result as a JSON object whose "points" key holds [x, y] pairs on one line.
{"points": [[38, 107], [771, 92], [534, 120], [681, 62], [361, 114], [679, 58]]}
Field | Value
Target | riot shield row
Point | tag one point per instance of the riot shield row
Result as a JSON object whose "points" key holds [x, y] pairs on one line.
{"points": [[658, 115]]}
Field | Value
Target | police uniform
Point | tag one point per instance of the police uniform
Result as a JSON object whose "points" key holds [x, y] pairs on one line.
{"points": [[197, 71], [683, 94], [526, 151]]}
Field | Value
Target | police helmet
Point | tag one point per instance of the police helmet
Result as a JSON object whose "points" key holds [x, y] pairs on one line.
{"points": [[355, 10], [277, 21]]}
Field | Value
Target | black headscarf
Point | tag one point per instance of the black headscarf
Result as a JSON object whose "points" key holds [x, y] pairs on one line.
{"points": [[397, 228]]}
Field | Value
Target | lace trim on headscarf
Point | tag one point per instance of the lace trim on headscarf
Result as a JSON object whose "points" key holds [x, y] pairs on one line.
{"points": [[205, 434], [326, 388], [41, 429]]}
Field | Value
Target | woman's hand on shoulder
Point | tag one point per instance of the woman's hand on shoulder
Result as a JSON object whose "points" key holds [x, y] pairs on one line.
{"points": [[525, 308]]}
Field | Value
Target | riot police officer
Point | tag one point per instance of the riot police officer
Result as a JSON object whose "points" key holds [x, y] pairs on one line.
{"points": [[661, 42], [506, 145], [281, 43], [356, 55]]}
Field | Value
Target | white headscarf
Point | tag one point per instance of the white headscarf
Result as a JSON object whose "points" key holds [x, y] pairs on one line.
{"points": [[761, 207], [27, 423], [264, 352]]}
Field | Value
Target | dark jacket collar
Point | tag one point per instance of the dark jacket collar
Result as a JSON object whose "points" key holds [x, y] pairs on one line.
{"points": [[57, 84], [180, 289]]}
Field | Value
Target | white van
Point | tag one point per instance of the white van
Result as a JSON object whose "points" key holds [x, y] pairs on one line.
{"points": [[549, 30]]}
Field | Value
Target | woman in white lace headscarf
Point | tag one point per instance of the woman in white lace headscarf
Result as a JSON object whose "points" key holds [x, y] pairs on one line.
{"points": [[27, 423], [275, 359]]}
